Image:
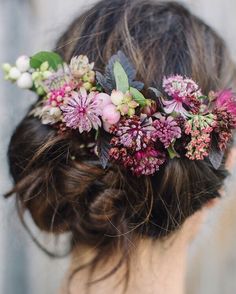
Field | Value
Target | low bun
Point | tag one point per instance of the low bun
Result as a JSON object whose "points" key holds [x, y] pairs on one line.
{"points": [[57, 176]]}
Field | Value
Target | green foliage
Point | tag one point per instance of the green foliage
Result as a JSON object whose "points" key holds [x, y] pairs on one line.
{"points": [[52, 58], [138, 96], [121, 78]]}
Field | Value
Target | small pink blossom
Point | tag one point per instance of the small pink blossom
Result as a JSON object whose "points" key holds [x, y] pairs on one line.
{"points": [[104, 99]]}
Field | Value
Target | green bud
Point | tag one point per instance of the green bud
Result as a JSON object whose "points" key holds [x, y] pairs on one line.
{"points": [[6, 67], [87, 86], [40, 91], [44, 66], [35, 75], [85, 78], [131, 112]]}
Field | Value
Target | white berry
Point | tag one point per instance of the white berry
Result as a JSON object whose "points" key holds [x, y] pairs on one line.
{"points": [[14, 73], [23, 63], [25, 81]]}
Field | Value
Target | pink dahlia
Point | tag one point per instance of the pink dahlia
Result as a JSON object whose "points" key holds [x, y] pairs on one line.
{"points": [[183, 91], [134, 133], [166, 130], [82, 111]]}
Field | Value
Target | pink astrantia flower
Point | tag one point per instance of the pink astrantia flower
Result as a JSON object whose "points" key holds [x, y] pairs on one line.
{"points": [[166, 129], [147, 162], [227, 99], [182, 91], [82, 111], [134, 133]]}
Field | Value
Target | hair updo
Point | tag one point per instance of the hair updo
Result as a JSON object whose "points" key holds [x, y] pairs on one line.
{"points": [[61, 183]]}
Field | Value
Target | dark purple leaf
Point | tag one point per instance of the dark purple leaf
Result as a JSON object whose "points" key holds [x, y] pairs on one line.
{"points": [[216, 157], [103, 147]]}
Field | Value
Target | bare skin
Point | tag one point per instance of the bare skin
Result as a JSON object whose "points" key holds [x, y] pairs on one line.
{"points": [[156, 266]]}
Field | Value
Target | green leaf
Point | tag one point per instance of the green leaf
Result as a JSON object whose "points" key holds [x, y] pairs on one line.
{"points": [[52, 58], [121, 78], [138, 96]]}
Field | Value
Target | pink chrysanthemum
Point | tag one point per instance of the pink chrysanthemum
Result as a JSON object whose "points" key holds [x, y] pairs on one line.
{"points": [[82, 111], [134, 133], [166, 130], [183, 92], [200, 128]]}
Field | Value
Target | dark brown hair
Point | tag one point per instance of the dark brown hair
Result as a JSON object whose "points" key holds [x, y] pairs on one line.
{"points": [[62, 194]]}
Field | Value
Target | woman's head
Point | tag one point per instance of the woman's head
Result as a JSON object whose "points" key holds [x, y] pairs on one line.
{"points": [[59, 181]]}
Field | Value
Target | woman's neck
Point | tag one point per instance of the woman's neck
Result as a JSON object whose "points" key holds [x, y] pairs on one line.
{"points": [[155, 266]]}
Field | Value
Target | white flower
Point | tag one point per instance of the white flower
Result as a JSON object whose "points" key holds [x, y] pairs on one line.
{"points": [[23, 63], [80, 65], [25, 81], [14, 73], [50, 115]]}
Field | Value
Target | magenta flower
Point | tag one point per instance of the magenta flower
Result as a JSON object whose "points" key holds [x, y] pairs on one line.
{"points": [[181, 90], [82, 111], [147, 162], [166, 129], [226, 99], [144, 162]]}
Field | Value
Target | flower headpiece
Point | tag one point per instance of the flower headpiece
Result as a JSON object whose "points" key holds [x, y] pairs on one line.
{"points": [[137, 132]]}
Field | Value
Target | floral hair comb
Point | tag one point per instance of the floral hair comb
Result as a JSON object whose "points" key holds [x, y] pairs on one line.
{"points": [[138, 133]]}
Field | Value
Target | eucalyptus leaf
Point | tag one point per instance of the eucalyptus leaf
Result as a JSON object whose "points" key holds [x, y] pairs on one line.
{"points": [[138, 96], [121, 78], [53, 59]]}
